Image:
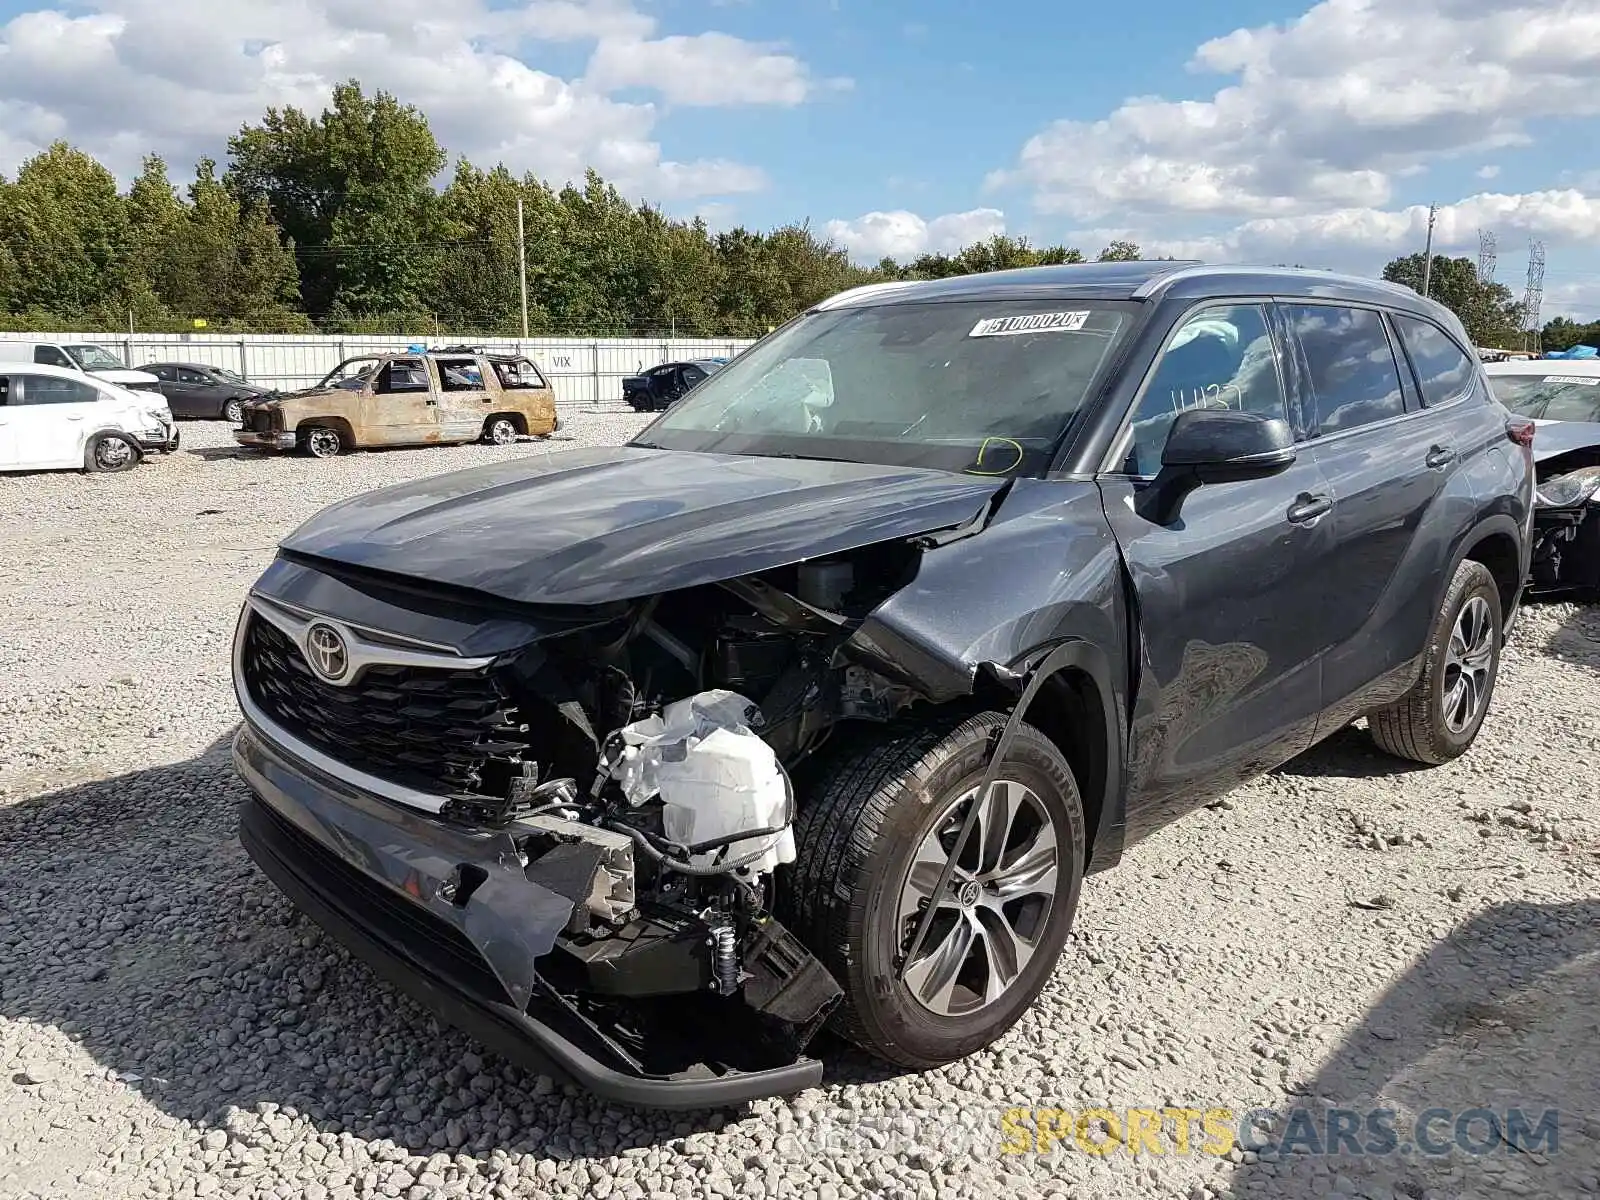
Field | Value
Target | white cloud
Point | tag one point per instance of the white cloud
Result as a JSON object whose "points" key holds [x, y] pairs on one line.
{"points": [[1488, 171], [708, 69], [124, 77], [903, 235], [1324, 112], [1363, 238]]}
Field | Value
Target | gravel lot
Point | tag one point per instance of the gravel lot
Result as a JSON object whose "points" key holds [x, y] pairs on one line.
{"points": [[1346, 932]]}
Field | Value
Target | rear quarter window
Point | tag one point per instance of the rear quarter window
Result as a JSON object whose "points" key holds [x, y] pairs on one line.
{"points": [[1444, 371]]}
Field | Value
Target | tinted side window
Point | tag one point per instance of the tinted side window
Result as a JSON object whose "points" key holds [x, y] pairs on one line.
{"points": [[49, 356], [165, 374], [47, 389], [1353, 372], [1218, 358], [1443, 368], [6, 391], [187, 376]]}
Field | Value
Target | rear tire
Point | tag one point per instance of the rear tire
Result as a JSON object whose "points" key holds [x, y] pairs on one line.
{"points": [[322, 441], [108, 453], [1440, 717], [500, 431], [853, 897]]}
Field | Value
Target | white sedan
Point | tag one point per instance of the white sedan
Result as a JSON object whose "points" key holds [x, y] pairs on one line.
{"points": [[52, 418]]}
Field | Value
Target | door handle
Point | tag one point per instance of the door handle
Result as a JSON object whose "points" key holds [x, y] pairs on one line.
{"points": [[1438, 456], [1308, 506]]}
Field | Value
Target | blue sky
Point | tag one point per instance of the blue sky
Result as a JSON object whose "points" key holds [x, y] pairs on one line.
{"points": [[1269, 131]]}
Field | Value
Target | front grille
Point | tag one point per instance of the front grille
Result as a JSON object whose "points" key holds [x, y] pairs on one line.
{"points": [[435, 730], [439, 946], [260, 420]]}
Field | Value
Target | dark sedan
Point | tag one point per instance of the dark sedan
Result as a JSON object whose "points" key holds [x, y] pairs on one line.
{"points": [[198, 390], [660, 387]]}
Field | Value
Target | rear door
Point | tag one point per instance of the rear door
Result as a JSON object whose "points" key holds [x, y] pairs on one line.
{"points": [[401, 408], [1387, 461], [465, 399], [1227, 594]]}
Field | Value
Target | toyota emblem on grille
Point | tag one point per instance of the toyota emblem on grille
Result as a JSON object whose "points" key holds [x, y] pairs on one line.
{"points": [[326, 652]]}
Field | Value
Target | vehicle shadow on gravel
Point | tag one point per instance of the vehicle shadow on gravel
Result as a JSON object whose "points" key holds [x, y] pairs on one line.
{"points": [[1348, 754], [1497, 1017], [135, 924]]}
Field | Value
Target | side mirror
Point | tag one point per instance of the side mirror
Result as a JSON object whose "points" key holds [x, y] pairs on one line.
{"points": [[1214, 445]]}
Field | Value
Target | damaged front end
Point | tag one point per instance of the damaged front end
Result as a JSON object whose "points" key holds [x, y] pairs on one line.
{"points": [[561, 826], [1566, 529]]}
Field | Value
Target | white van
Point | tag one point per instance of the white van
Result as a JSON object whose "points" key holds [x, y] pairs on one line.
{"points": [[79, 356], [52, 417]]}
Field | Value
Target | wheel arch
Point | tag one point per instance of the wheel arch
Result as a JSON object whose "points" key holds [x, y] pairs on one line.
{"points": [[516, 418], [340, 424], [1069, 697], [1497, 544]]}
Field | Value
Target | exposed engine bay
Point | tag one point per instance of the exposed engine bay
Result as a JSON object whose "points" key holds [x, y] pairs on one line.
{"points": [[643, 770]]}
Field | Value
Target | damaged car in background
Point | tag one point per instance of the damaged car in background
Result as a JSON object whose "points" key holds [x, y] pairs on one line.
{"points": [[1563, 401], [813, 704]]}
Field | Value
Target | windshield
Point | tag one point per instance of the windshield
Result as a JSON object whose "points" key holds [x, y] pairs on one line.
{"points": [[352, 373], [1549, 397], [94, 358], [985, 387], [230, 376]]}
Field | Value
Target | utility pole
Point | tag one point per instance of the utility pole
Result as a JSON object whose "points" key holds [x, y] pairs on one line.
{"points": [[522, 269], [1427, 254]]}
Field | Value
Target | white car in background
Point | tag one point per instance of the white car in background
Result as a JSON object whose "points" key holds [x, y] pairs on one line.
{"points": [[53, 418], [79, 356]]}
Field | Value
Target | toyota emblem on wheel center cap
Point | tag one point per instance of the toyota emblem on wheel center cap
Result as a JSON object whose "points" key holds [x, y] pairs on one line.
{"points": [[326, 652]]}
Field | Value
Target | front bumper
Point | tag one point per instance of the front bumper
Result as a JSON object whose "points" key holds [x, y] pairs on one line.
{"points": [[162, 438], [264, 441], [378, 894]]}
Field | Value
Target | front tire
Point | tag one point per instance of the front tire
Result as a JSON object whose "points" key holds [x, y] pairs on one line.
{"points": [[322, 441], [872, 842], [1440, 717], [233, 412], [107, 453]]}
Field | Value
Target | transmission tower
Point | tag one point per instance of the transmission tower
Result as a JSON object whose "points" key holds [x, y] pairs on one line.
{"points": [[1487, 256], [1534, 296]]}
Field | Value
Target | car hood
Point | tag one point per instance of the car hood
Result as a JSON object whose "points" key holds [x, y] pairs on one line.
{"points": [[1551, 439], [593, 526], [126, 378]]}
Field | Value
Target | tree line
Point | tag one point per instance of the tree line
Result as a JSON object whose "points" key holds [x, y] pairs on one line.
{"points": [[337, 222]]}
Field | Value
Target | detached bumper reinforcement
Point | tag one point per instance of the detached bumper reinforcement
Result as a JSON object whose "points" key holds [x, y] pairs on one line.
{"points": [[515, 1035]]}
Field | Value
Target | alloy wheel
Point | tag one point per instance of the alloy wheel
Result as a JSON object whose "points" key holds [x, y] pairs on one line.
{"points": [[1468, 662], [992, 917], [233, 412], [112, 453]]}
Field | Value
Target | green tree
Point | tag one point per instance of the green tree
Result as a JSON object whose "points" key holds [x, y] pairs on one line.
{"points": [[65, 232], [1120, 251], [353, 189], [1563, 333], [1491, 314]]}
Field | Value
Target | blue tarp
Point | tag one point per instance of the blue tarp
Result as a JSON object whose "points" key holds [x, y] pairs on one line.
{"points": [[1575, 352]]}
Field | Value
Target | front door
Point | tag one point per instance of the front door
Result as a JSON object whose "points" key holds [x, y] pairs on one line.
{"points": [[51, 422], [400, 409], [1228, 679]]}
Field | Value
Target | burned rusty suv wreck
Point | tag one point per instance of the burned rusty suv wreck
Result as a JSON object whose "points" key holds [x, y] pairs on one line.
{"points": [[814, 703]]}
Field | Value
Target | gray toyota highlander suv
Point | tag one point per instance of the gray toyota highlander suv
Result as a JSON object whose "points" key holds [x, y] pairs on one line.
{"points": [[815, 702]]}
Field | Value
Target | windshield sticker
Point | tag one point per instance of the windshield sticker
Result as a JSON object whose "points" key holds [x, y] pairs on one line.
{"points": [[1060, 322], [1578, 379]]}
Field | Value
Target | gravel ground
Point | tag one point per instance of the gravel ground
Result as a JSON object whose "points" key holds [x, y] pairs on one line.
{"points": [[1345, 932]]}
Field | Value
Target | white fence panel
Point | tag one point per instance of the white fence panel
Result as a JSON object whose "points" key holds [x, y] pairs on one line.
{"points": [[582, 370]]}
